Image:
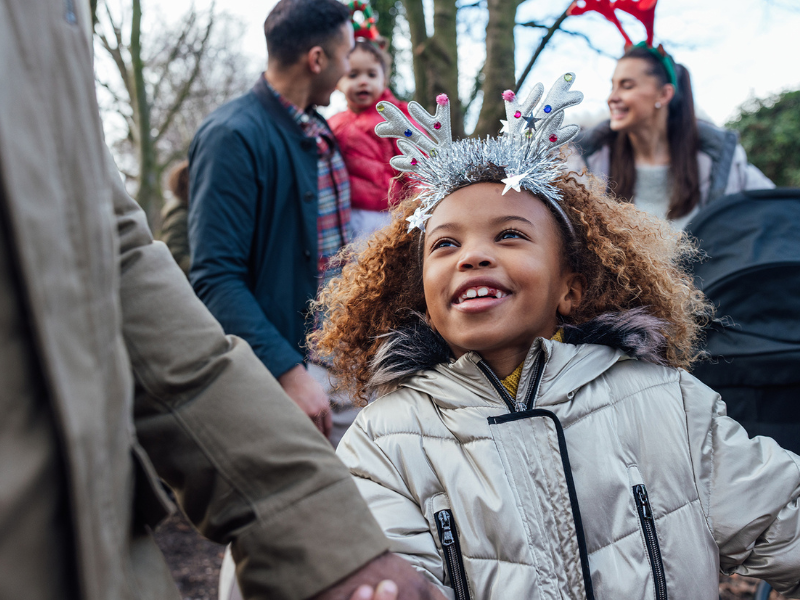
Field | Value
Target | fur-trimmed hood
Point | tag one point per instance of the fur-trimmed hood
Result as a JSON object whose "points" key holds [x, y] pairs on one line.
{"points": [[406, 352]]}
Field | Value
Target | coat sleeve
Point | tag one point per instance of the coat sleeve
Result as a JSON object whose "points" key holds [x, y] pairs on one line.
{"points": [[222, 217], [248, 467], [395, 507], [749, 491], [745, 176]]}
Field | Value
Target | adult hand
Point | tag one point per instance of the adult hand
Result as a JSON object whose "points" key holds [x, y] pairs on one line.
{"points": [[393, 577], [309, 396]]}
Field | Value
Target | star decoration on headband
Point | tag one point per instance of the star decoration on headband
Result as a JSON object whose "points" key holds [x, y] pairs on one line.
{"points": [[505, 128], [525, 157], [513, 182], [531, 120]]}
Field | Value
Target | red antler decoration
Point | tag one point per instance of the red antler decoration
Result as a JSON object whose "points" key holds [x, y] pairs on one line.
{"points": [[643, 10], [604, 7]]}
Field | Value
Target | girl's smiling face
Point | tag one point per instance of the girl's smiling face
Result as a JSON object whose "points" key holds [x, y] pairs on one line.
{"points": [[494, 273], [364, 83]]}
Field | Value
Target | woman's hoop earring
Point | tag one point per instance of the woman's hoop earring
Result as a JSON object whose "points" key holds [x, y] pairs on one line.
{"points": [[658, 104]]}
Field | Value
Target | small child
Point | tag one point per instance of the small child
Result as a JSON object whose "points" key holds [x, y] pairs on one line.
{"points": [[365, 154], [538, 436]]}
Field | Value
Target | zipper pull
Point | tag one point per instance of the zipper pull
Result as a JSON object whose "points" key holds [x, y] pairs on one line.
{"points": [[644, 501], [447, 537]]}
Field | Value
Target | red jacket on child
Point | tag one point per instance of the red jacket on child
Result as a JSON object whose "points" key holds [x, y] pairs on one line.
{"points": [[367, 156]]}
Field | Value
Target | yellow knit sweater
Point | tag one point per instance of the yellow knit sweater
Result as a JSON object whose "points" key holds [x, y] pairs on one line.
{"points": [[511, 383]]}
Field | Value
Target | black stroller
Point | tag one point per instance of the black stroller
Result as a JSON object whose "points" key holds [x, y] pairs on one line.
{"points": [[752, 274]]}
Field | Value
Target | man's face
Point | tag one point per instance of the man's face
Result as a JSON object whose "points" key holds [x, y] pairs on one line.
{"points": [[335, 63]]}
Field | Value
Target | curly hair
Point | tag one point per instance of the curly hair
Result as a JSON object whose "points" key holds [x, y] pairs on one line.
{"points": [[629, 259]]}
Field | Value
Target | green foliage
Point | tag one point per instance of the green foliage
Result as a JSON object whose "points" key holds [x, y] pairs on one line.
{"points": [[770, 132]]}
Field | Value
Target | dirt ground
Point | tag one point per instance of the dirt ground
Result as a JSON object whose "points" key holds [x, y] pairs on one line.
{"points": [[195, 563]]}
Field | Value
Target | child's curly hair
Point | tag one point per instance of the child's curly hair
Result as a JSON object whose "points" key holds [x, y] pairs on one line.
{"points": [[629, 259]]}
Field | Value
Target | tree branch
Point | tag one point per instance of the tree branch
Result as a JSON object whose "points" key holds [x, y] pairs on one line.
{"points": [[183, 94], [542, 43], [176, 48], [585, 38]]}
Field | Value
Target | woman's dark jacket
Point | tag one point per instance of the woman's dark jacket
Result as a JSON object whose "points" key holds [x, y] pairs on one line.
{"points": [[253, 224]]}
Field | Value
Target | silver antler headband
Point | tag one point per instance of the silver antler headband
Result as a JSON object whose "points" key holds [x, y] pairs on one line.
{"points": [[525, 152]]}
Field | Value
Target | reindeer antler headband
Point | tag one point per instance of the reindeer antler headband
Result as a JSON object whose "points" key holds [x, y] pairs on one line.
{"points": [[644, 11], [525, 154]]}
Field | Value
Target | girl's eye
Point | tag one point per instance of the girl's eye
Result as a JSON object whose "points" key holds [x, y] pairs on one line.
{"points": [[443, 243], [510, 234]]}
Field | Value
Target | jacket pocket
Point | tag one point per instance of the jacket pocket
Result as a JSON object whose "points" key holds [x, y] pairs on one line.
{"points": [[448, 536], [150, 503], [648, 523]]}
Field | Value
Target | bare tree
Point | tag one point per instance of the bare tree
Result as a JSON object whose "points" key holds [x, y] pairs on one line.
{"points": [[436, 61], [436, 56], [161, 85]]}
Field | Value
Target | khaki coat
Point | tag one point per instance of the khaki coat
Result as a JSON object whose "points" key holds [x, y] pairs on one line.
{"points": [[544, 503], [111, 313]]}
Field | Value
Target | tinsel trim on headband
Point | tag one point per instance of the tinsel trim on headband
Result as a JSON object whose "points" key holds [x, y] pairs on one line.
{"points": [[525, 156]]}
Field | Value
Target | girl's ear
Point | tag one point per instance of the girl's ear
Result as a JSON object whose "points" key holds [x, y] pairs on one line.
{"points": [[575, 286]]}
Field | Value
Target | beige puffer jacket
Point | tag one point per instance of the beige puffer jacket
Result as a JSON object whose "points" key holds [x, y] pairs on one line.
{"points": [[610, 478]]}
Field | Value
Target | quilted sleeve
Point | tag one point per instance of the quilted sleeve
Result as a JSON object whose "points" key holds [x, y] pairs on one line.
{"points": [[394, 506], [749, 490]]}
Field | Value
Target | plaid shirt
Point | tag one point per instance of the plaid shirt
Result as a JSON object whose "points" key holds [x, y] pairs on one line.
{"points": [[333, 184]]}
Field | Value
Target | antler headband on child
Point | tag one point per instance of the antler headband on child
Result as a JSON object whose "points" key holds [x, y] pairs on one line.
{"points": [[525, 154]]}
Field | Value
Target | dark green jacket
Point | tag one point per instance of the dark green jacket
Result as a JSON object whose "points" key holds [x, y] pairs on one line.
{"points": [[253, 224], [175, 233]]}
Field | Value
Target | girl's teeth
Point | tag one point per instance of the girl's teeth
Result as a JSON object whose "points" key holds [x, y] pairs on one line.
{"points": [[471, 293], [483, 291]]}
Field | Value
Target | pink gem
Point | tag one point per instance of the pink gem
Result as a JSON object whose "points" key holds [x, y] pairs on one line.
{"points": [[437, 125], [442, 99], [509, 96], [554, 138], [517, 115], [413, 161]]}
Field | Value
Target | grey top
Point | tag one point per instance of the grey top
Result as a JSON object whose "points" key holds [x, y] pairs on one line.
{"points": [[652, 193]]}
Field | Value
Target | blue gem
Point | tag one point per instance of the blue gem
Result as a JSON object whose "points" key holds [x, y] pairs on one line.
{"points": [[548, 108], [407, 133]]}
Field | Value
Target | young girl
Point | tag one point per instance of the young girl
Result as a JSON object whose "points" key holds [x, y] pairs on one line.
{"points": [[365, 154], [538, 435]]}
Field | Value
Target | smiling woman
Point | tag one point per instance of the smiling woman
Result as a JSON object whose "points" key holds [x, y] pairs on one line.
{"points": [[653, 151]]}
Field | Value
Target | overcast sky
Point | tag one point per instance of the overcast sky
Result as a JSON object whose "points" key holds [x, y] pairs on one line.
{"points": [[733, 48]]}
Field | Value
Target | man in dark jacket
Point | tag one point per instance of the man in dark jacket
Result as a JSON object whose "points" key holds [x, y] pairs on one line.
{"points": [[270, 198]]}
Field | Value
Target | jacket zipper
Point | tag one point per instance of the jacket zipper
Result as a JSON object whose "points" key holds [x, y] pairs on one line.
{"points": [[651, 540], [446, 526], [512, 404]]}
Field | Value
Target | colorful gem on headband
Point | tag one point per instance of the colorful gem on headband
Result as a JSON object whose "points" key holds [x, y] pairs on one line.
{"points": [[517, 115], [568, 77], [547, 109], [528, 133], [509, 96], [407, 133], [442, 99], [553, 138], [437, 125], [413, 161], [380, 108]]}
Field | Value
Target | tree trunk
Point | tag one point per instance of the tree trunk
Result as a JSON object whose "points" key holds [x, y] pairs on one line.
{"points": [[386, 11], [499, 68], [415, 13], [149, 194], [442, 62]]}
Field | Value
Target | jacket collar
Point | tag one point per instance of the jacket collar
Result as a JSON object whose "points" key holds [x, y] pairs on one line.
{"points": [[418, 358]]}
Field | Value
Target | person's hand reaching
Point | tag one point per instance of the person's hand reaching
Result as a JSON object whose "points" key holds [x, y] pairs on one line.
{"points": [[309, 396], [387, 577]]}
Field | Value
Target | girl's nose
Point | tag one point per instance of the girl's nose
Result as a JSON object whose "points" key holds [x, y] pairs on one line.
{"points": [[475, 258]]}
